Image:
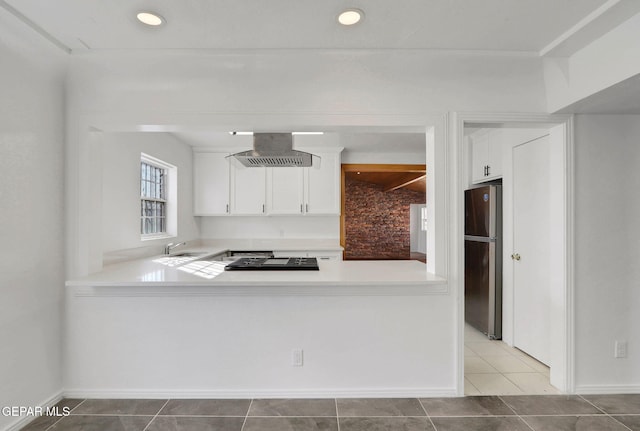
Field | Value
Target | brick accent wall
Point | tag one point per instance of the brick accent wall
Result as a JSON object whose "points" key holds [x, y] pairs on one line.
{"points": [[377, 222]]}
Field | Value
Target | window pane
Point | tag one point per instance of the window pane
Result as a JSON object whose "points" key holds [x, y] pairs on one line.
{"points": [[152, 193]]}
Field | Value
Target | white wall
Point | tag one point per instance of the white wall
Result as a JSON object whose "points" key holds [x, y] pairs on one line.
{"points": [[418, 236], [294, 227], [607, 246], [31, 219], [339, 82], [121, 189], [195, 90], [385, 158], [381, 341], [607, 61]]}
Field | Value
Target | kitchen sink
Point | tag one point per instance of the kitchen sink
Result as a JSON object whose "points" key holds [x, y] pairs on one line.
{"points": [[190, 254]]}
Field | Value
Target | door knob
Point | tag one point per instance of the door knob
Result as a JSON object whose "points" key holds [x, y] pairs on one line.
{"points": [[515, 256]]}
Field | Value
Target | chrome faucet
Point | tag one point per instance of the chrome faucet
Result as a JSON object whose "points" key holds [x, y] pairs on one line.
{"points": [[171, 246]]}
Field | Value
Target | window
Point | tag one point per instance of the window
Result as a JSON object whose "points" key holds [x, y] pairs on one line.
{"points": [[153, 197]]}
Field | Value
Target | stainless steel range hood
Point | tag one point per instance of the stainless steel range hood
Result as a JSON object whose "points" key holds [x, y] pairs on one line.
{"points": [[273, 150]]}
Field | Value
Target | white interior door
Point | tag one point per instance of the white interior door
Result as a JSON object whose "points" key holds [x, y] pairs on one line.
{"points": [[531, 241]]}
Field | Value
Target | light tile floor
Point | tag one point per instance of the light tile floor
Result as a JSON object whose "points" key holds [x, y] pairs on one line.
{"points": [[491, 367]]}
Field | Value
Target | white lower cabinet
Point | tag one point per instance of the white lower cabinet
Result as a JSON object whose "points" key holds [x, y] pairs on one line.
{"points": [[319, 254]]}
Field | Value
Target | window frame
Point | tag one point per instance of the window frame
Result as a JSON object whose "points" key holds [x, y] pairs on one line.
{"points": [[162, 197]]}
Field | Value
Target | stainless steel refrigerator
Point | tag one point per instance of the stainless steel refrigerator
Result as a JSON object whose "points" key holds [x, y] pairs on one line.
{"points": [[483, 259]]}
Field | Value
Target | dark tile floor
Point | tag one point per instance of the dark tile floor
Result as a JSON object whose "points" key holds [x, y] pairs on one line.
{"points": [[490, 413]]}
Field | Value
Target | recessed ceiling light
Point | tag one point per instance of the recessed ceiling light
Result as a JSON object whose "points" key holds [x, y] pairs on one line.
{"points": [[350, 17], [150, 18]]}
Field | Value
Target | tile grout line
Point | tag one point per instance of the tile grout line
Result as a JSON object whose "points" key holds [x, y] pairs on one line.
{"points": [[516, 385], [337, 415], [154, 418], [470, 337], [247, 415], [474, 386], [515, 412], [605, 413], [426, 413], [56, 422]]}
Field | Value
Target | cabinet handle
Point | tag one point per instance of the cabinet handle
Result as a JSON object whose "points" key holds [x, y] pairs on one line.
{"points": [[301, 210], [263, 208], [488, 170], [227, 208], [306, 207]]}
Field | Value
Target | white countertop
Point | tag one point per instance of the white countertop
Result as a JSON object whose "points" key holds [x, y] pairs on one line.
{"points": [[163, 271]]}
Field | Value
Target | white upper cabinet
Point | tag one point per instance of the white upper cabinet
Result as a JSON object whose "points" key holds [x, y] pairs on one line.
{"points": [[285, 191], [486, 155], [306, 191], [322, 188], [210, 184], [490, 146], [224, 188], [248, 190]]}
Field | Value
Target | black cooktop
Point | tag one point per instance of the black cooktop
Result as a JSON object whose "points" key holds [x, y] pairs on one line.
{"points": [[274, 264]]}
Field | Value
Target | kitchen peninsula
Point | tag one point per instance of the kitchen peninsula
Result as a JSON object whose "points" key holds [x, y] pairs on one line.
{"points": [[154, 327]]}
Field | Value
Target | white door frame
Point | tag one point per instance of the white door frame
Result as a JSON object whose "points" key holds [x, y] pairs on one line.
{"points": [[566, 342]]}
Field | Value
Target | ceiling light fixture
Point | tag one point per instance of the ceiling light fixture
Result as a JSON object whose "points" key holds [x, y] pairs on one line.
{"points": [[150, 18], [350, 17]]}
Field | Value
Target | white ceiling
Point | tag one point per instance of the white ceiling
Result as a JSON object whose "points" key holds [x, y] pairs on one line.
{"points": [[531, 26], [502, 25]]}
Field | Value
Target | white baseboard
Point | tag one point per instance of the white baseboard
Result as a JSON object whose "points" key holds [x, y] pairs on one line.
{"points": [[261, 393], [607, 389], [24, 420]]}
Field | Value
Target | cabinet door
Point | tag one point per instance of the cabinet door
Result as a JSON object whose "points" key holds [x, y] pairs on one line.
{"points": [[325, 255], [322, 187], [290, 253], [285, 191], [479, 157], [248, 185], [210, 184], [495, 155]]}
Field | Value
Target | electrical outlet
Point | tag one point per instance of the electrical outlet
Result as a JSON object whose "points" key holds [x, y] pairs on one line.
{"points": [[296, 357], [620, 349]]}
